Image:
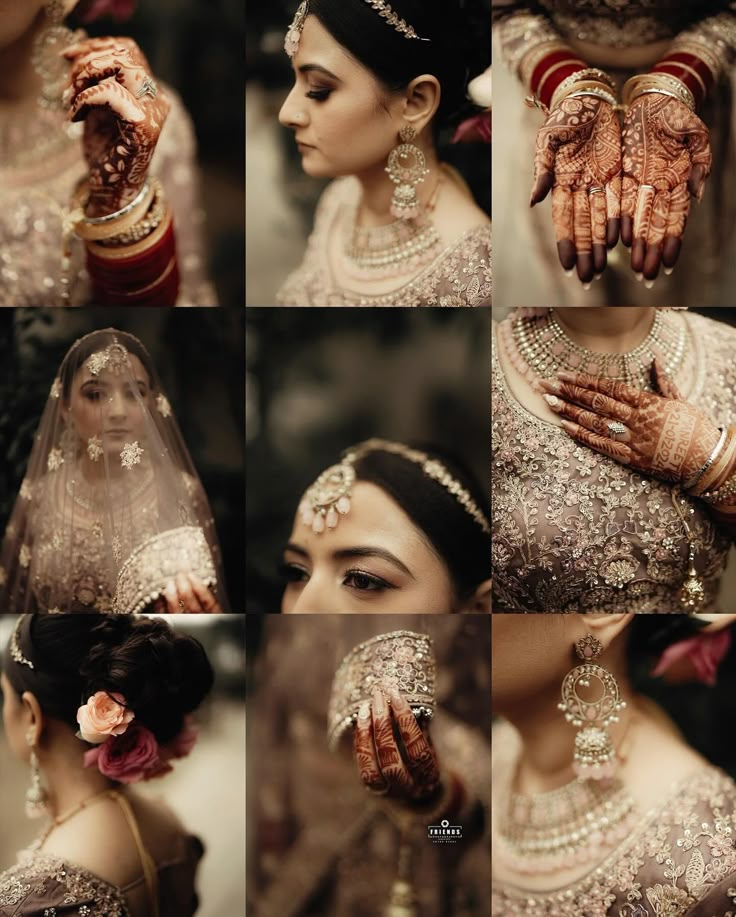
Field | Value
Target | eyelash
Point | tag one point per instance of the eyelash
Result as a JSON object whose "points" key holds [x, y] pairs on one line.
{"points": [[319, 95], [95, 395], [293, 573]]}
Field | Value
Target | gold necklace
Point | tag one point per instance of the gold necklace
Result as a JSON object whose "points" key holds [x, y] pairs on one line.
{"points": [[65, 816], [542, 348], [370, 253]]}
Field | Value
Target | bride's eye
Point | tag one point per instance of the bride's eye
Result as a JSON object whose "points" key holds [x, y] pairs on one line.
{"points": [[365, 582], [319, 95], [293, 573], [93, 394]]}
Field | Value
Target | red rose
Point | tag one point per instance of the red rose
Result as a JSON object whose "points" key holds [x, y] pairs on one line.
{"points": [[119, 10], [128, 758]]}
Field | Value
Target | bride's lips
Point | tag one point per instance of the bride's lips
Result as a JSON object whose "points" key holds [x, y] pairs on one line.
{"points": [[305, 146]]}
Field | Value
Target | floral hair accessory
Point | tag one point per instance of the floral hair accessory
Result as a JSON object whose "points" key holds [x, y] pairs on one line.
{"points": [[103, 715], [119, 10], [696, 657], [136, 755]]}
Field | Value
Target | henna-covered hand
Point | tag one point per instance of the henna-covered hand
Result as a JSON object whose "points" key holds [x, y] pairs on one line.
{"points": [[665, 437], [409, 777], [122, 117], [578, 150], [667, 158]]}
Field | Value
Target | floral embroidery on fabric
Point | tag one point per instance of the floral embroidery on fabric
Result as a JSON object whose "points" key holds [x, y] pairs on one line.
{"points": [[576, 531], [131, 454], [679, 857]]}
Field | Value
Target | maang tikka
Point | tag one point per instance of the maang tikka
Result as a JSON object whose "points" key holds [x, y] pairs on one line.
{"points": [[595, 757]]}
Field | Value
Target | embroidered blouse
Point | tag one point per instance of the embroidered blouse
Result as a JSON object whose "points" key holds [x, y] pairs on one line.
{"points": [[576, 531], [615, 23], [460, 275], [43, 885], [679, 862]]}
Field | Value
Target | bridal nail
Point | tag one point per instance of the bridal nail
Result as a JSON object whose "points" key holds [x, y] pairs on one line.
{"points": [[649, 284], [570, 272], [550, 384], [364, 711], [379, 703], [551, 400], [668, 270], [640, 277], [586, 286], [597, 276]]}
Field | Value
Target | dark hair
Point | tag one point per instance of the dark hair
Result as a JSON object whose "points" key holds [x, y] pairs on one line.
{"points": [[161, 674], [454, 534], [90, 344], [458, 50], [700, 711]]}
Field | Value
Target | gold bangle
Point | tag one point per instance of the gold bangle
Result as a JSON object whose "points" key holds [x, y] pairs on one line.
{"points": [[120, 252], [93, 232], [154, 283], [562, 63], [677, 63], [659, 83], [559, 97], [720, 472]]}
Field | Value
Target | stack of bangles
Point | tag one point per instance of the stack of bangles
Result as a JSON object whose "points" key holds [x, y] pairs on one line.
{"points": [[131, 254], [553, 73], [684, 75], [715, 482]]}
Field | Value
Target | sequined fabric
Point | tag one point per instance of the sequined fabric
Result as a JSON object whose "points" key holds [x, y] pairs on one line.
{"points": [[34, 200], [680, 861], [575, 531], [460, 275], [614, 23]]}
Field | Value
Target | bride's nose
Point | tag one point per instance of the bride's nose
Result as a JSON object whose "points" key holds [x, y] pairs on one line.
{"points": [[292, 112]]}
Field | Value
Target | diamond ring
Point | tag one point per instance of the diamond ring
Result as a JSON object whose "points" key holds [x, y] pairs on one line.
{"points": [[616, 428], [147, 88]]}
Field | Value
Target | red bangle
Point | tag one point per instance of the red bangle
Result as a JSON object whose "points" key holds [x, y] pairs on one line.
{"points": [[684, 76], [695, 63], [556, 57], [162, 292]]}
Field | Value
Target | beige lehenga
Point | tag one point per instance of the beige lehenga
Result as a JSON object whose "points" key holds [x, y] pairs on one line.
{"points": [[679, 861], [574, 530], [459, 275]]}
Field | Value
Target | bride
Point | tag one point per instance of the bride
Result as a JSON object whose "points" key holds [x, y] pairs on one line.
{"points": [[373, 85], [97, 167], [106, 849], [612, 459], [111, 515], [599, 805]]}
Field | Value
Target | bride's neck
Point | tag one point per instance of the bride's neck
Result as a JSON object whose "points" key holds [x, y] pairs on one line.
{"points": [[607, 329], [19, 82], [378, 189], [68, 782]]}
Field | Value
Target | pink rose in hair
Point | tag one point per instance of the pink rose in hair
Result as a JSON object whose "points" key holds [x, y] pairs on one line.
{"points": [[103, 715], [119, 10], [696, 658], [128, 758]]}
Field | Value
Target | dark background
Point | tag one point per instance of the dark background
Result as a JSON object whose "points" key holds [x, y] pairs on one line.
{"points": [[320, 380], [198, 354]]}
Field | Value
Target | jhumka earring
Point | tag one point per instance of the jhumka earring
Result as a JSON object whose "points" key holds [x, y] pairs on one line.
{"points": [[407, 168], [595, 756], [37, 798], [47, 58]]}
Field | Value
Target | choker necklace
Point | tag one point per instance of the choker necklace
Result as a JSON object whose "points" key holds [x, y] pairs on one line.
{"points": [[572, 825], [540, 347], [371, 253]]}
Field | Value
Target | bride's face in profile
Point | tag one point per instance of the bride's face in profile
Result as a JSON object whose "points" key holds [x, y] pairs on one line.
{"points": [[344, 120], [109, 405], [375, 562]]}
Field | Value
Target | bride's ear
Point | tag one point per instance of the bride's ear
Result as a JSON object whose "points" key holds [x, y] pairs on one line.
{"points": [[480, 601], [422, 101], [33, 719]]}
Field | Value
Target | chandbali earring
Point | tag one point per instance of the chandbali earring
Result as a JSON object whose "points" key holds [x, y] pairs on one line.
{"points": [[37, 799], [46, 56], [407, 168], [595, 756]]}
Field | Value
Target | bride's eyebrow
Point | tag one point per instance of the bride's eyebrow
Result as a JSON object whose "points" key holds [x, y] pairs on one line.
{"points": [[382, 553], [317, 68]]}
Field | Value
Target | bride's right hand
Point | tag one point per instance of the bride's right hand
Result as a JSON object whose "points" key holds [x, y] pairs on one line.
{"points": [[187, 594]]}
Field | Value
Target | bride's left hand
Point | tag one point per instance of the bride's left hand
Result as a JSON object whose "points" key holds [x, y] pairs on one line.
{"points": [[664, 436], [187, 594]]}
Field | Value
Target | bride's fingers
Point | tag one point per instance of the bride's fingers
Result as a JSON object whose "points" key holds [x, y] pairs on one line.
{"points": [[204, 595], [596, 401], [111, 95], [562, 219], [615, 450], [187, 598], [593, 422]]}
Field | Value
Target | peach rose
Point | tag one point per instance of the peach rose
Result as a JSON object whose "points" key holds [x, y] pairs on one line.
{"points": [[103, 715]]}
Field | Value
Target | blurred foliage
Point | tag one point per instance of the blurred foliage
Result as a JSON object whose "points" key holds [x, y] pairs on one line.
{"points": [[198, 354], [319, 380]]}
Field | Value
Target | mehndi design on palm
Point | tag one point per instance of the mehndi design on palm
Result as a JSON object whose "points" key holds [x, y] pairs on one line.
{"points": [[578, 158], [124, 111], [666, 158]]}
